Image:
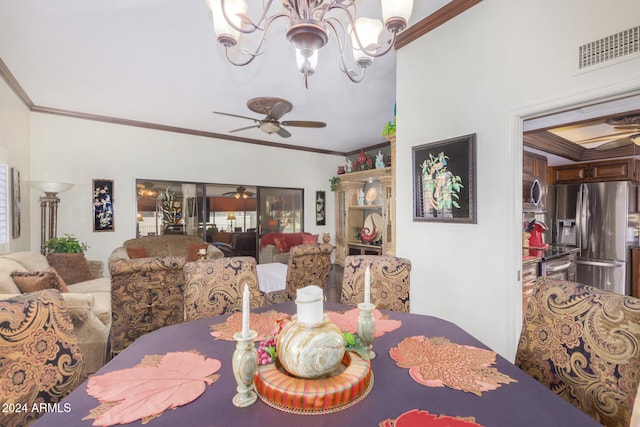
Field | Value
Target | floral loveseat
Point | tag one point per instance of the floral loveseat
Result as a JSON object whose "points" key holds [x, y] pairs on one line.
{"points": [[147, 284], [274, 247], [88, 302]]}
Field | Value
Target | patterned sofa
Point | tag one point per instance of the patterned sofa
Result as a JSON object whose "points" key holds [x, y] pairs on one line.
{"points": [[147, 284], [274, 247], [87, 302]]}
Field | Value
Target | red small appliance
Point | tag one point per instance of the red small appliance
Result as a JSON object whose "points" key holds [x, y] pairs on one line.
{"points": [[536, 228]]}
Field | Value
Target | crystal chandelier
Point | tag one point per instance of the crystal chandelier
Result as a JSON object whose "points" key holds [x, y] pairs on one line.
{"points": [[310, 23]]}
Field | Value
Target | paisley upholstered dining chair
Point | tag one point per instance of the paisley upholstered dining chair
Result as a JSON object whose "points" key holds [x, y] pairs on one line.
{"points": [[307, 265], [584, 344], [215, 287], [390, 281], [40, 359]]}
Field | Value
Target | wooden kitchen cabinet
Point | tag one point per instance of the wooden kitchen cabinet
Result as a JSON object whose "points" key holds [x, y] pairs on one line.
{"points": [[534, 166], [610, 170]]}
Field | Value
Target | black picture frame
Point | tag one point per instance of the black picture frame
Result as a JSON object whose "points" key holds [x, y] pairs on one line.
{"points": [[103, 205], [444, 180], [321, 215], [15, 203]]}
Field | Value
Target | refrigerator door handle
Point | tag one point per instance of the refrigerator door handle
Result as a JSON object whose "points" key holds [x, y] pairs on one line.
{"points": [[601, 263], [582, 217]]}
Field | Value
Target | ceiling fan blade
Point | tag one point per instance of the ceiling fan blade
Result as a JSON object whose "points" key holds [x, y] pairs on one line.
{"points": [[304, 124], [279, 109], [284, 133], [236, 115], [245, 128], [631, 127], [616, 136], [614, 144]]}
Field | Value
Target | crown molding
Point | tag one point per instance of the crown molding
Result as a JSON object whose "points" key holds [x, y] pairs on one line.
{"points": [[8, 76]]}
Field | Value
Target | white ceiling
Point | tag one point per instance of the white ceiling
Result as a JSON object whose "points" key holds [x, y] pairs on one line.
{"points": [[157, 61]]}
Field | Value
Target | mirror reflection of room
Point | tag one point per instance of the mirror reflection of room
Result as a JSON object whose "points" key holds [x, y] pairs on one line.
{"points": [[225, 215]]}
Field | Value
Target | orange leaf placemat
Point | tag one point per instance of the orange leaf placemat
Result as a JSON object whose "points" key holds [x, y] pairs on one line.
{"points": [[145, 391], [437, 362], [348, 321], [262, 323], [418, 418]]}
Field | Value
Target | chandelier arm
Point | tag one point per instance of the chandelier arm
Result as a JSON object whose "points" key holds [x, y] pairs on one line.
{"points": [[374, 54], [258, 51], [342, 63], [253, 26]]}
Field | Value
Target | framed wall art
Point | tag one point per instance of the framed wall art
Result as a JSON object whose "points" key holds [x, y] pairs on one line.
{"points": [[444, 180], [320, 208], [103, 205], [15, 203]]}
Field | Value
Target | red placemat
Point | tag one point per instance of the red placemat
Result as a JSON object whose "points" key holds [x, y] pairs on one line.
{"points": [[419, 418]]}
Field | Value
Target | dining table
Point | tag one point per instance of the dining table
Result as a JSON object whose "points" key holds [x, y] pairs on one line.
{"points": [[402, 382]]}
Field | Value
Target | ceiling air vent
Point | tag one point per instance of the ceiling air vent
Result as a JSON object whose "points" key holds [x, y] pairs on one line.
{"points": [[611, 47]]}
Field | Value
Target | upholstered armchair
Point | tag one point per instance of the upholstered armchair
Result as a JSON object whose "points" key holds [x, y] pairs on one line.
{"points": [[584, 344], [307, 265], [390, 281], [40, 361], [215, 287], [146, 294]]}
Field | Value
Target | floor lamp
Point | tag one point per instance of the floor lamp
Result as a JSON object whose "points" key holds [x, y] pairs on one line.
{"points": [[49, 208]]}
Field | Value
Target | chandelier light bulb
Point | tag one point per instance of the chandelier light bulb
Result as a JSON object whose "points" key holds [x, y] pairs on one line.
{"points": [[368, 31], [226, 32]]}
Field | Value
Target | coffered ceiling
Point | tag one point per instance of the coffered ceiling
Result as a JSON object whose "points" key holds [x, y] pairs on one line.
{"points": [[156, 63]]}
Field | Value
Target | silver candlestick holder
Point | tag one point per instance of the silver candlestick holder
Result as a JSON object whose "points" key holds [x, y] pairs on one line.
{"points": [[245, 365], [367, 326]]}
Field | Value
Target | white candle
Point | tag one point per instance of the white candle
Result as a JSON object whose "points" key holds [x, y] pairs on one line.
{"points": [[367, 286], [309, 305], [246, 304]]}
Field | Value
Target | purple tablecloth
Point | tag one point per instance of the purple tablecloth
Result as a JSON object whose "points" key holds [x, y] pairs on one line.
{"points": [[519, 404]]}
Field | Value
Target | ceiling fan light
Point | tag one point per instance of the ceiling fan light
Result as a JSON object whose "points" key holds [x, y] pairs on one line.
{"points": [[269, 127], [635, 139], [396, 14], [225, 32]]}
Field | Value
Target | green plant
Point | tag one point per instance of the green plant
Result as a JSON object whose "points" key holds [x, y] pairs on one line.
{"points": [[334, 182], [65, 245]]}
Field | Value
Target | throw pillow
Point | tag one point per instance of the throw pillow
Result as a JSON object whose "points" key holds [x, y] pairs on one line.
{"points": [[281, 244], [32, 281], [310, 239], [192, 254], [73, 268], [63, 284], [137, 253]]}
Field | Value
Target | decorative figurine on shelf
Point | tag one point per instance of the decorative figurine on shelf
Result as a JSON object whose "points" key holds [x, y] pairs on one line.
{"points": [[379, 160], [361, 197], [349, 166]]}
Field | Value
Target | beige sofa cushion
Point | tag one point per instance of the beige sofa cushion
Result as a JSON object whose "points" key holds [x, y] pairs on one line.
{"points": [[100, 289], [32, 261]]}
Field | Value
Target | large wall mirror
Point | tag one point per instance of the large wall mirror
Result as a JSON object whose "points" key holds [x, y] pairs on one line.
{"points": [[233, 217]]}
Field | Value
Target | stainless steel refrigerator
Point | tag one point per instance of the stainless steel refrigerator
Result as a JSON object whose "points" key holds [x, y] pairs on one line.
{"points": [[600, 219]]}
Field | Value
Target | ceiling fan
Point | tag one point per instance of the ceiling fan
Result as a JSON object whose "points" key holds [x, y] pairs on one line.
{"points": [[274, 109], [628, 133], [240, 193]]}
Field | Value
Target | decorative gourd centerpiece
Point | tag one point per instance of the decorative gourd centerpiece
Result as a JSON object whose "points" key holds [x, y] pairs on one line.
{"points": [[310, 346], [313, 372]]}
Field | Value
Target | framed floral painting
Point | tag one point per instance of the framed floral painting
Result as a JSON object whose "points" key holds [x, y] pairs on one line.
{"points": [[103, 205], [444, 180]]}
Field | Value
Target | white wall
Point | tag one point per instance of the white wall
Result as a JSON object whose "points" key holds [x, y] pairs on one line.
{"points": [[77, 151], [480, 73], [14, 138]]}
